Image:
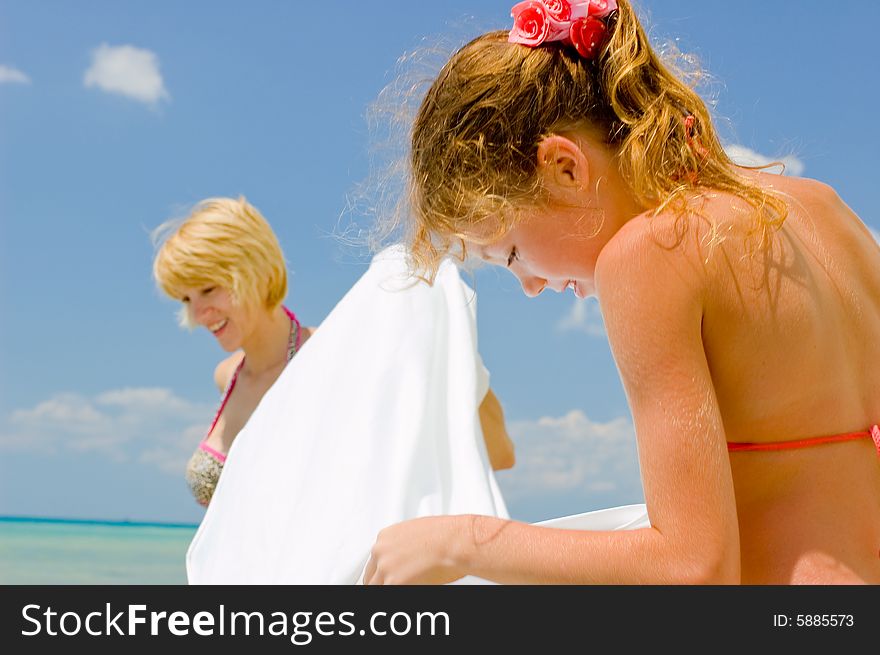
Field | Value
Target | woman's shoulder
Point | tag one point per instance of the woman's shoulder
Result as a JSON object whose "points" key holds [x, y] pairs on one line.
{"points": [[307, 333], [225, 369]]}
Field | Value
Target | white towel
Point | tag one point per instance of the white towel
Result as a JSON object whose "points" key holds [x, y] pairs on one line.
{"points": [[624, 517], [373, 422]]}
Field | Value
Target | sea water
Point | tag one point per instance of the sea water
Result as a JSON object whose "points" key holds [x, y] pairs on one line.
{"points": [[42, 551]]}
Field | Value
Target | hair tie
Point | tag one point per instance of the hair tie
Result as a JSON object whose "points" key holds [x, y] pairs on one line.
{"points": [[693, 140], [582, 25]]}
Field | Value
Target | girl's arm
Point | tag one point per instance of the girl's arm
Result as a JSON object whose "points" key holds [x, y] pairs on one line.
{"points": [[652, 299]]}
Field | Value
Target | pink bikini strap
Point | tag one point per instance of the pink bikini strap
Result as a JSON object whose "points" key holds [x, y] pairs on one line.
{"points": [[226, 394], [214, 453]]}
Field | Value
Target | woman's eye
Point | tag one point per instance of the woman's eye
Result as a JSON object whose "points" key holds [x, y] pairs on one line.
{"points": [[512, 257], [184, 300], [208, 290]]}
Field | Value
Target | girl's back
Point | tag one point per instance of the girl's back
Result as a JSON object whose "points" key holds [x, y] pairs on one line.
{"points": [[792, 336]]}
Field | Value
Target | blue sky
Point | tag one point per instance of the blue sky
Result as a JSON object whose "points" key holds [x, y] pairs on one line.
{"points": [[104, 397]]}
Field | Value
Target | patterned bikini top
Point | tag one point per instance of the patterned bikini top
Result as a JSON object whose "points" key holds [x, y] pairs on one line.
{"points": [[206, 464]]}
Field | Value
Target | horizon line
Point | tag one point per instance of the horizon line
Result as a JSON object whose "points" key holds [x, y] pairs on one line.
{"points": [[128, 522]]}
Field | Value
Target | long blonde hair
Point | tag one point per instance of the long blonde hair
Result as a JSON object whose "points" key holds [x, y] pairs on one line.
{"points": [[476, 134]]}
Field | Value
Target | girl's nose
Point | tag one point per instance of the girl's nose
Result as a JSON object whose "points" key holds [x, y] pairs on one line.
{"points": [[532, 286]]}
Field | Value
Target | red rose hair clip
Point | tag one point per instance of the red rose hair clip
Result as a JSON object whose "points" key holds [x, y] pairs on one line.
{"points": [[579, 24]]}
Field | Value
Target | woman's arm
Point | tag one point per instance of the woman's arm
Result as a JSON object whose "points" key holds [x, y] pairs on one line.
{"points": [[652, 301], [498, 443], [307, 333]]}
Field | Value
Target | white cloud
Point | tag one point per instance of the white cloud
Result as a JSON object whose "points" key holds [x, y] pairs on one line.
{"points": [[173, 460], [591, 464], [9, 75], [63, 410], [150, 425], [128, 71], [748, 157], [144, 399], [584, 316]]}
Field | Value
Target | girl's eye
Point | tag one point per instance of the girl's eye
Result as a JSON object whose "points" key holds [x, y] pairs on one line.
{"points": [[184, 300], [208, 290], [512, 257]]}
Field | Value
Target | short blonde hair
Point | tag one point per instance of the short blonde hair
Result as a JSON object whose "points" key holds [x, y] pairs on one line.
{"points": [[222, 242]]}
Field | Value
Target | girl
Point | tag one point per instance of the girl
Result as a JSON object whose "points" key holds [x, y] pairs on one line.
{"points": [[743, 311]]}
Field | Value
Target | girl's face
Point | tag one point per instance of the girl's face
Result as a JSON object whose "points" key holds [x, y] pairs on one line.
{"points": [[554, 248], [556, 244], [214, 307]]}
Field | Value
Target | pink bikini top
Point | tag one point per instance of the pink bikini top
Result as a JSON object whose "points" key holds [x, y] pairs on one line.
{"points": [[873, 433], [292, 346]]}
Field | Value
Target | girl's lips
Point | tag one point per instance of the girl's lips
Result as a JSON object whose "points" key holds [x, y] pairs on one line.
{"points": [[217, 328]]}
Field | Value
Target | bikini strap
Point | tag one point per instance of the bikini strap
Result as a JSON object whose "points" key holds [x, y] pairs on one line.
{"points": [[295, 341], [229, 387], [874, 433], [292, 348]]}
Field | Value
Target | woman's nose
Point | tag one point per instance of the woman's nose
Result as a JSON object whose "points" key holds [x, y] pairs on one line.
{"points": [[197, 307]]}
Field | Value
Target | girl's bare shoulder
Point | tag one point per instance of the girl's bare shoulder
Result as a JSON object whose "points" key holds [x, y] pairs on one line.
{"points": [[711, 218], [652, 245]]}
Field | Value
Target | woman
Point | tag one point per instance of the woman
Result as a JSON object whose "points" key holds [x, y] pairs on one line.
{"points": [[385, 426], [224, 263], [742, 309]]}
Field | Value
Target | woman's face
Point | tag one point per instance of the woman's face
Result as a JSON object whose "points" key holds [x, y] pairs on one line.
{"points": [[214, 308], [553, 248]]}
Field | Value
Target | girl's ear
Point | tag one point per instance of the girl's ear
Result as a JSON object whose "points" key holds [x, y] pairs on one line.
{"points": [[563, 167]]}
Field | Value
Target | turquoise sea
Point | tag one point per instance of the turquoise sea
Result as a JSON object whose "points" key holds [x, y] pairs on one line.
{"points": [[44, 551]]}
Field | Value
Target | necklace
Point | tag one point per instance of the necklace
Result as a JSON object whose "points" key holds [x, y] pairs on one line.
{"points": [[293, 341]]}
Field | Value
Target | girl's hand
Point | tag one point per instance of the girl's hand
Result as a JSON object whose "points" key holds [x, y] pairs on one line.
{"points": [[420, 551]]}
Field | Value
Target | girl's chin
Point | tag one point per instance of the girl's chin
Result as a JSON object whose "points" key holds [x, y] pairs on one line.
{"points": [[579, 289]]}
